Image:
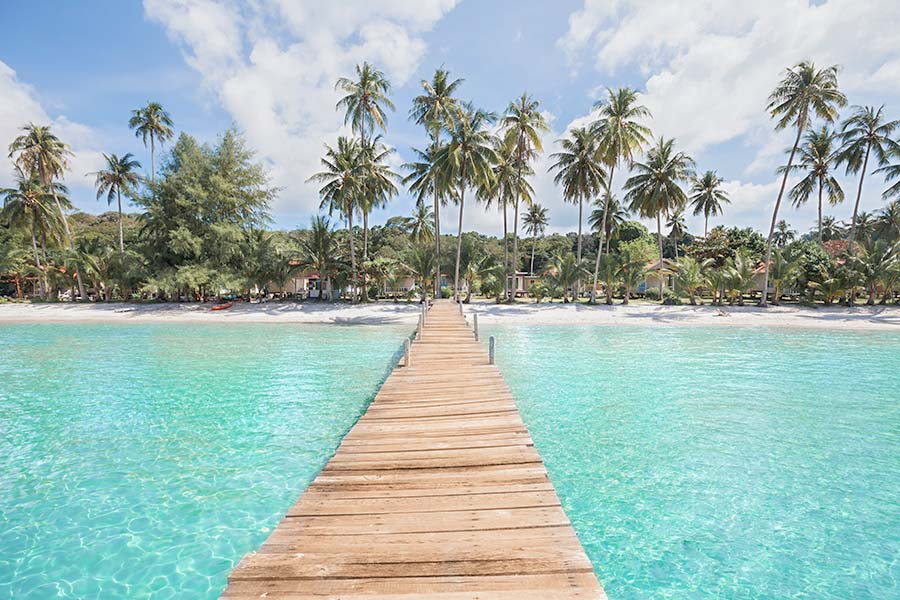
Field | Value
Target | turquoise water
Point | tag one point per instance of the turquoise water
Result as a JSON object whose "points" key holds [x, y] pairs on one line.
{"points": [[142, 461], [722, 463]]}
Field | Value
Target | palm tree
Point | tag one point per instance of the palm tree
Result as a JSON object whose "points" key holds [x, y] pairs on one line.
{"points": [[877, 262], [523, 125], [535, 222], [564, 272], [421, 224], [707, 197], [28, 204], [831, 229], [376, 188], [803, 91], [654, 190], [153, 123], [889, 221], [436, 109], [341, 189], [320, 253], [817, 159], [466, 162], [620, 137], [865, 132], [783, 234], [420, 263], [739, 275], [610, 265], [43, 154], [631, 272], [120, 175], [677, 227], [690, 276], [782, 273], [365, 100], [503, 187], [616, 218], [579, 171]]}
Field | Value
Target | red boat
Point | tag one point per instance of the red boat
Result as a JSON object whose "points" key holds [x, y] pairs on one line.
{"points": [[225, 306]]}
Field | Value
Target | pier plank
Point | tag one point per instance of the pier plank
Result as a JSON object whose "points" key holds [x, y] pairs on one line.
{"points": [[436, 492]]}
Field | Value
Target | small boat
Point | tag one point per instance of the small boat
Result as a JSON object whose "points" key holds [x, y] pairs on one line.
{"points": [[225, 306]]}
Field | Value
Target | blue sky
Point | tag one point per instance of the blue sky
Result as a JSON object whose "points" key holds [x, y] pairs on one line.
{"points": [[704, 68]]}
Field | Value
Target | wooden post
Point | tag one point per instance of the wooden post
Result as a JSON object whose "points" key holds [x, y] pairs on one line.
{"points": [[475, 325], [492, 344], [420, 327], [460, 306], [406, 353]]}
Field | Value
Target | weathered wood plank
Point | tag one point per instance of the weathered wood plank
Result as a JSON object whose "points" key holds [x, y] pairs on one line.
{"points": [[436, 492]]}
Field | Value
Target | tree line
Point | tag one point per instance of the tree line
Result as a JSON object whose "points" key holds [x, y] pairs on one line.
{"points": [[204, 220]]}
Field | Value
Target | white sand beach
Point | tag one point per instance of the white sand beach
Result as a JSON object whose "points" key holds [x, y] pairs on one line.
{"points": [[872, 318]]}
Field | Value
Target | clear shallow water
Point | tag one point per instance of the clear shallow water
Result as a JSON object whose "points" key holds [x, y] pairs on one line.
{"points": [[145, 460], [720, 463]]}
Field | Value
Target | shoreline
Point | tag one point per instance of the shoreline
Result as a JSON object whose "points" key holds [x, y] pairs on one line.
{"points": [[858, 318]]}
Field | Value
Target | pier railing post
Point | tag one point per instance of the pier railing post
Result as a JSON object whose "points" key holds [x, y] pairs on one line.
{"points": [[475, 325], [420, 326], [491, 345], [460, 306], [406, 353]]}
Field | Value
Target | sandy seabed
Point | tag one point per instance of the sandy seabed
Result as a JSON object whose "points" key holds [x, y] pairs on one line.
{"points": [[873, 318]]}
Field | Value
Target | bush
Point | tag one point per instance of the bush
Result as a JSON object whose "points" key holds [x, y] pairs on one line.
{"points": [[446, 291], [670, 298]]}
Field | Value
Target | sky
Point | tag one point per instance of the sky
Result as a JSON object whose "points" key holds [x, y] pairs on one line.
{"points": [[704, 68]]}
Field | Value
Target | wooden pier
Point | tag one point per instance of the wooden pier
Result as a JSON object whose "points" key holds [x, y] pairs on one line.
{"points": [[437, 492]]}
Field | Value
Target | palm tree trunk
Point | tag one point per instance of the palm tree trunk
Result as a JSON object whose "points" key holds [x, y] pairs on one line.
{"points": [[353, 282], [152, 158], [862, 176], [602, 235], [515, 255], [576, 291], [462, 199], [37, 262], [659, 267], [364, 297], [533, 244], [706, 225], [437, 240], [762, 301], [505, 250], [121, 235], [820, 210]]}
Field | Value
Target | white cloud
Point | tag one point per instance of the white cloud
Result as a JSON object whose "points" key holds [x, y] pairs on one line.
{"points": [[273, 64], [709, 66], [19, 106]]}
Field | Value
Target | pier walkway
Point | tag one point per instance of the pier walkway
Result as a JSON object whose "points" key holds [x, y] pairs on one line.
{"points": [[437, 492]]}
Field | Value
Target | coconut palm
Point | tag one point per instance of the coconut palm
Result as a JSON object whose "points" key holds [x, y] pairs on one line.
{"points": [[485, 269], [783, 235], [579, 170], [365, 100], [739, 274], [436, 109], [831, 229], [866, 132], [632, 269], [30, 205], [120, 175], [876, 262], [39, 152], [889, 221], [655, 188], [620, 136], [421, 224], [466, 162], [610, 265], [376, 188], [419, 261], [341, 189], [783, 273], [523, 125], [817, 159], [677, 227], [804, 91], [617, 217], [564, 272], [320, 253], [535, 222], [690, 276], [865, 225], [153, 123], [707, 197]]}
